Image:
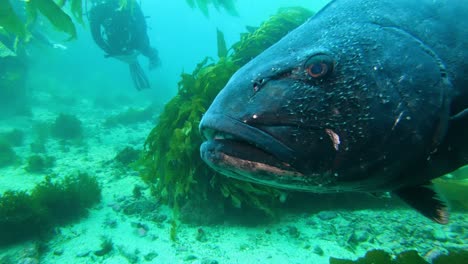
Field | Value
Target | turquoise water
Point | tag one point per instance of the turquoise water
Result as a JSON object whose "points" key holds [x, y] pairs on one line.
{"points": [[106, 123]]}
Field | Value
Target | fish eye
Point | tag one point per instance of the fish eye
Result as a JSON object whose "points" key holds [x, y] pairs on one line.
{"points": [[319, 66]]}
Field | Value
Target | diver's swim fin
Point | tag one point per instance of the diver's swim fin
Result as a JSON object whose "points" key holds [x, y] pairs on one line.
{"points": [[138, 75]]}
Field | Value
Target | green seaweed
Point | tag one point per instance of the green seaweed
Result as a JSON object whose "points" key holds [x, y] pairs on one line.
{"points": [[57, 17], [127, 156], [228, 5], [7, 154], [10, 21], [67, 127], [39, 163], [50, 203], [131, 116], [51, 10], [55, 12], [106, 247], [407, 257], [21, 217], [171, 163], [68, 199], [15, 137], [222, 49]]}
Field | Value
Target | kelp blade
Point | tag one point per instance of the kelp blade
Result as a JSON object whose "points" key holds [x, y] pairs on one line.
{"points": [[222, 49], [10, 21], [77, 10], [55, 15]]}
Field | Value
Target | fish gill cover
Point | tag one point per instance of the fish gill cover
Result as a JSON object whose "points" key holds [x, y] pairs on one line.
{"points": [[171, 163]]}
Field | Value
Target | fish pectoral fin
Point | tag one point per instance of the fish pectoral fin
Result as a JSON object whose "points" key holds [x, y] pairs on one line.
{"points": [[425, 200]]}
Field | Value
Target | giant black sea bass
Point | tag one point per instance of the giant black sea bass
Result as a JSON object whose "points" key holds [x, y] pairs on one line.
{"points": [[367, 96]]}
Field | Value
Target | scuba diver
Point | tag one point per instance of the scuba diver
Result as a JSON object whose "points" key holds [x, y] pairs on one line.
{"points": [[121, 32]]}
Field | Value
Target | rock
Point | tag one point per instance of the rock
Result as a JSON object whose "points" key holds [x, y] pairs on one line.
{"points": [[159, 218], [190, 257], [142, 232], [116, 207], [83, 254], [209, 261], [106, 247], [150, 256], [202, 212], [141, 229], [358, 237], [327, 215], [293, 231], [318, 250], [201, 235], [29, 261], [111, 223], [361, 235], [140, 207], [132, 257], [58, 252]]}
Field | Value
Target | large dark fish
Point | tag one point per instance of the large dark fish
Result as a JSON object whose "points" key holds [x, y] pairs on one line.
{"points": [[368, 96]]}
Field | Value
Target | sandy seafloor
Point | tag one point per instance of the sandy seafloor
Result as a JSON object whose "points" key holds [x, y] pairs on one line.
{"points": [[294, 238]]}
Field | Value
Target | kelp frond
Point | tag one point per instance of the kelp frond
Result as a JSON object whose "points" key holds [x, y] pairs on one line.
{"points": [[228, 5], [52, 11]]}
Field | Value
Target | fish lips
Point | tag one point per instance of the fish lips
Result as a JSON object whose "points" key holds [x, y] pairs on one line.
{"points": [[242, 151]]}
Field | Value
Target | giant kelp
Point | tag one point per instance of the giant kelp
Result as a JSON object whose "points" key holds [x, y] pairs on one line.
{"points": [[52, 10], [56, 12], [171, 160], [204, 5]]}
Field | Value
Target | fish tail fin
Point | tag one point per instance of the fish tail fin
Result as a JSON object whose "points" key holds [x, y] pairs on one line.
{"points": [[138, 76], [425, 200]]}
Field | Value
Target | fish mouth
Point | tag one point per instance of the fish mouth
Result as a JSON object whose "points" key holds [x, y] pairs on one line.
{"points": [[245, 152]]}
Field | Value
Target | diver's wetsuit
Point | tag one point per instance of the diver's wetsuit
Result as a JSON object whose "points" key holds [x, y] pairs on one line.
{"points": [[121, 31]]}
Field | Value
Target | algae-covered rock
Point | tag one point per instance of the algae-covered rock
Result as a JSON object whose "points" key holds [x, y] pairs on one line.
{"points": [[127, 156], [131, 116], [407, 257], [172, 164], [7, 155], [39, 163], [15, 137], [67, 127], [202, 212], [106, 247]]}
